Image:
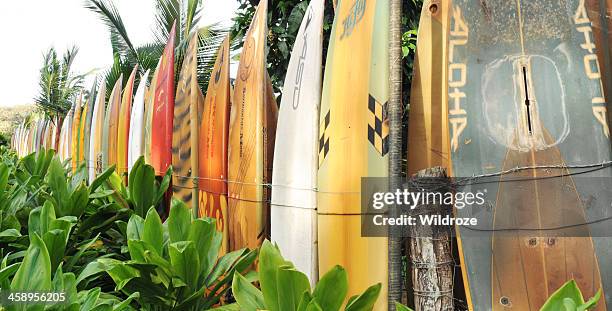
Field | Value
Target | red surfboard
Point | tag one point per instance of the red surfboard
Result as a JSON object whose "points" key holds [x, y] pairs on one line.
{"points": [[163, 110]]}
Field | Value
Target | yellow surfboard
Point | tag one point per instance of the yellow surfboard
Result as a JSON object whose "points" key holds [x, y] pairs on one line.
{"points": [[123, 128], [111, 120], [74, 138], [353, 142], [251, 141]]}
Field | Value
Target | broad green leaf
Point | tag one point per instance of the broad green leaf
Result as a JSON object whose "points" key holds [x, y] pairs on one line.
{"points": [[248, 296], [185, 261], [202, 233], [6, 272], [270, 260], [101, 179], [331, 289], [365, 301], [92, 268], [125, 305], [163, 186], [224, 264], [291, 285], [55, 241], [135, 228], [568, 290], [78, 200], [179, 222], [153, 232], [35, 270]]}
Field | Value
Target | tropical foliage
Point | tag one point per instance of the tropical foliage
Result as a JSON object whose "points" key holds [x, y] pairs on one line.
{"points": [[569, 298], [186, 15], [58, 85], [283, 288]]}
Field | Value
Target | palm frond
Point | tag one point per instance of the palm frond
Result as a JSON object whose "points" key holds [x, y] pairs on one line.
{"points": [[168, 12], [109, 14], [210, 39]]}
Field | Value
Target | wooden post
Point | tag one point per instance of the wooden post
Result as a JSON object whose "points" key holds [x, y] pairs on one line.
{"points": [[395, 110], [431, 256]]}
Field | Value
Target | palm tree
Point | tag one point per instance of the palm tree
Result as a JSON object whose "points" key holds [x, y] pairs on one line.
{"points": [[186, 14], [58, 85], [395, 110]]}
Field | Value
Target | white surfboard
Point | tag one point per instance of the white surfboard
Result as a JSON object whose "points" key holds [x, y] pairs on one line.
{"points": [[136, 135], [97, 120], [294, 177]]}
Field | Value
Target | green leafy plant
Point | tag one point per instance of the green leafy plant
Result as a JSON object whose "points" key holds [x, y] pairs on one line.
{"points": [[401, 307], [569, 298], [283, 288], [173, 266]]}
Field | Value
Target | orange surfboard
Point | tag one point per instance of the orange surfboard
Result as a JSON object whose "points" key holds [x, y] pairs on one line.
{"points": [[163, 110], [123, 127], [251, 144], [214, 131]]}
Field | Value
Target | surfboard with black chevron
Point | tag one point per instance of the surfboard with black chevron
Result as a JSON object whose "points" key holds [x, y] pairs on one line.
{"points": [[187, 109]]}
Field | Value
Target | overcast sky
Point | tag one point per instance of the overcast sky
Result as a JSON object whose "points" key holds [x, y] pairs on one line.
{"points": [[29, 28]]}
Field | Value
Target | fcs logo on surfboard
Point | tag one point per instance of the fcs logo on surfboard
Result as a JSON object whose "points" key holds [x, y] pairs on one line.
{"points": [[297, 88], [355, 15]]}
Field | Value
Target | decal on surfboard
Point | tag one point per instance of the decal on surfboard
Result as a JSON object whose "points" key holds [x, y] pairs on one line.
{"points": [[591, 65], [378, 125], [324, 138], [457, 78]]}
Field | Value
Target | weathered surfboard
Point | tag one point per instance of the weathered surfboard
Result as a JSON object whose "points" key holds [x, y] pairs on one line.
{"points": [[111, 119], [251, 141], [136, 136], [163, 110], [187, 110], [521, 87], [123, 127], [353, 141], [95, 144], [213, 144], [296, 154]]}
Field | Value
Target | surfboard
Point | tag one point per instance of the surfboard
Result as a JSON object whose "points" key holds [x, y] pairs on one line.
{"points": [[81, 134], [187, 110], [251, 142], [296, 155], [75, 134], [91, 100], [163, 110], [148, 115], [136, 135], [514, 92], [95, 144], [67, 134], [213, 144], [353, 129], [123, 126], [109, 132]]}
